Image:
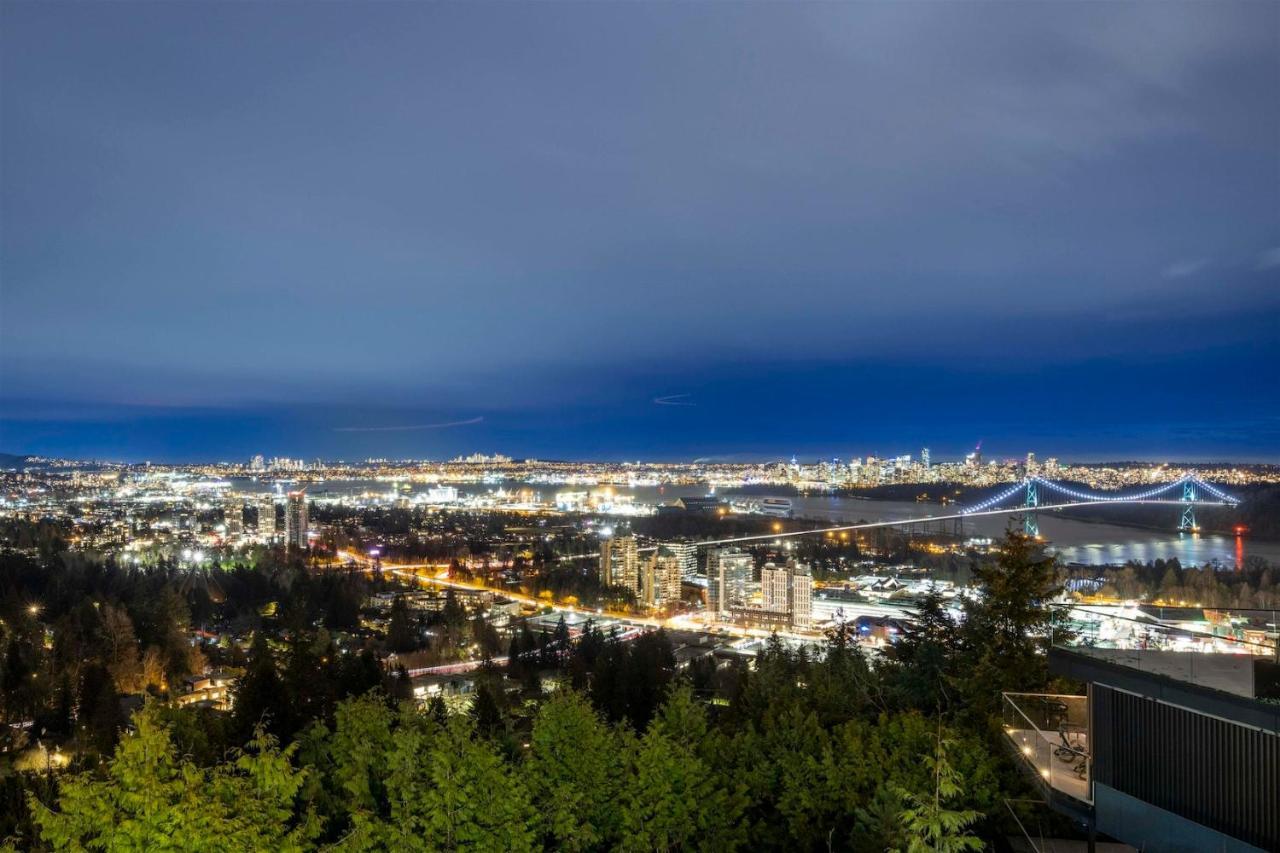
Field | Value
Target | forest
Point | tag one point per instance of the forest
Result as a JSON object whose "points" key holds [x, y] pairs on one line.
{"points": [[584, 744]]}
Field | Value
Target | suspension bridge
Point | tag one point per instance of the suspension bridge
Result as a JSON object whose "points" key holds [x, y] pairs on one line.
{"points": [[1189, 489], [1026, 497]]}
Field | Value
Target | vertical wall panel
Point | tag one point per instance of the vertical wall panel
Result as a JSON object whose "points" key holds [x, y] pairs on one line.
{"points": [[1216, 773]]}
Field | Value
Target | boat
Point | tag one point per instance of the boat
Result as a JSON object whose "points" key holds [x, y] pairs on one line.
{"points": [[776, 507]]}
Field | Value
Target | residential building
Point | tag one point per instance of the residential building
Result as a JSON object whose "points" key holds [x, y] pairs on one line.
{"points": [[233, 517], [661, 578], [801, 596], [1175, 743], [788, 589], [620, 563], [295, 520], [729, 573], [267, 518], [775, 588], [214, 689], [687, 553]]}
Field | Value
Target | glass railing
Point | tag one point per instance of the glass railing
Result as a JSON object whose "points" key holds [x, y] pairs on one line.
{"points": [[1051, 733], [1230, 651], [1046, 829]]}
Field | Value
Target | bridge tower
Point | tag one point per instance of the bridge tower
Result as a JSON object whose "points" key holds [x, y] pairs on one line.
{"points": [[1188, 522], [1030, 523]]}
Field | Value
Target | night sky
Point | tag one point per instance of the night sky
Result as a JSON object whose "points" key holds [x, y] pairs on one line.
{"points": [[640, 230]]}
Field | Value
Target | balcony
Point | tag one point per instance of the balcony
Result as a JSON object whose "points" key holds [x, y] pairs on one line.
{"points": [[1051, 734]]}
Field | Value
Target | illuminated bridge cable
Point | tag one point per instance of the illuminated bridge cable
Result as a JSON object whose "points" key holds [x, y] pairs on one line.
{"points": [[1215, 491], [1101, 498], [1030, 487], [997, 499]]}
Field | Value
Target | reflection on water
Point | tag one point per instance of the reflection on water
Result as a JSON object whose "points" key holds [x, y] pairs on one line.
{"points": [[1074, 541]]}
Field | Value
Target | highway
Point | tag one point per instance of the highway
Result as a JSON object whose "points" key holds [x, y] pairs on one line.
{"points": [[683, 622]]}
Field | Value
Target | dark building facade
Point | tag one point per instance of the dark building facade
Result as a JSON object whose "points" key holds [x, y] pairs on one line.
{"points": [[1154, 758]]}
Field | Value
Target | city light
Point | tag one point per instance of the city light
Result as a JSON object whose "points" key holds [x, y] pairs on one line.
{"points": [[640, 426]]}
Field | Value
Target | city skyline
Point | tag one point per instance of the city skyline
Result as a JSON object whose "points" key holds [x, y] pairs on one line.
{"points": [[646, 426], [611, 231], [943, 460]]}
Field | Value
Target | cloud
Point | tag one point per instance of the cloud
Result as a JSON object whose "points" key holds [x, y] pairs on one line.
{"points": [[1183, 269], [410, 427], [673, 400], [1269, 259]]}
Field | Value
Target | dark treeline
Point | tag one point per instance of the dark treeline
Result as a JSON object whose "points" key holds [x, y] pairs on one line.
{"points": [[1254, 586], [800, 750], [82, 638]]}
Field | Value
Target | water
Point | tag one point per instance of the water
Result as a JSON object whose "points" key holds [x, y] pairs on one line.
{"points": [[1074, 541]]}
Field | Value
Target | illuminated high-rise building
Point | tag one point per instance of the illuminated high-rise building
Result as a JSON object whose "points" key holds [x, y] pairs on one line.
{"points": [[267, 517], [974, 458], [233, 517], [620, 563], [924, 456], [295, 520], [647, 596], [660, 579], [687, 553], [788, 589], [775, 588], [801, 603], [729, 573]]}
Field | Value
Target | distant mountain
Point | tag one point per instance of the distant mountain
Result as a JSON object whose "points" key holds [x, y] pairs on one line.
{"points": [[10, 460]]}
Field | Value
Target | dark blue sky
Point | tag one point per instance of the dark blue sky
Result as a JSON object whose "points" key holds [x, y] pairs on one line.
{"points": [[640, 230]]}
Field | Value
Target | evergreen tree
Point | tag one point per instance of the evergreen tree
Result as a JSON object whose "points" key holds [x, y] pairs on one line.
{"points": [[453, 617], [461, 797], [674, 798], [486, 711], [928, 822], [927, 657], [402, 632], [1006, 629], [100, 715], [574, 771], [258, 696], [358, 748], [649, 665], [561, 643], [151, 799]]}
